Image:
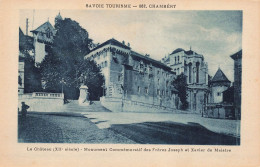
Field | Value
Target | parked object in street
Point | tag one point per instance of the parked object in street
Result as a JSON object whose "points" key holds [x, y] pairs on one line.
{"points": [[24, 109]]}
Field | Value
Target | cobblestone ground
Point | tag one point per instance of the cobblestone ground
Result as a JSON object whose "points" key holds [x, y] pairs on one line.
{"points": [[64, 128]]}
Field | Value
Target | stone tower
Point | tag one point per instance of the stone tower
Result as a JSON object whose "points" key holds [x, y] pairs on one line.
{"points": [[218, 85]]}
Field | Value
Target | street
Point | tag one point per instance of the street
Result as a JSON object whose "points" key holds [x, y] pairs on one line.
{"points": [[63, 128], [173, 133], [124, 128]]}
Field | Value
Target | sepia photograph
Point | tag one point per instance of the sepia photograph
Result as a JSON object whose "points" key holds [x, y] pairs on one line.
{"points": [[130, 77]]}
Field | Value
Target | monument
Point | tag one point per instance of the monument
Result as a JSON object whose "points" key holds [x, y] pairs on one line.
{"points": [[84, 95]]}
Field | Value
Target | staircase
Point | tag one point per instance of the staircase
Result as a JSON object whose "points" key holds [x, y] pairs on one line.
{"points": [[73, 106]]}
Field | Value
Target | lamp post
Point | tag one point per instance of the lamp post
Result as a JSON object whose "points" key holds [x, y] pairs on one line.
{"points": [[62, 81]]}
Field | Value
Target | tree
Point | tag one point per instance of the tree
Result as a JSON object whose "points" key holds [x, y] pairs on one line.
{"points": [[180, 84], [32, 76], [90, 74], [64, 66]]}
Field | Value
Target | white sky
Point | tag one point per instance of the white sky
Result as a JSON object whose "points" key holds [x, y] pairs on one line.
{"points": [[215, 34]]}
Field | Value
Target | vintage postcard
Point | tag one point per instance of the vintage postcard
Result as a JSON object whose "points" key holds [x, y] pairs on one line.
{"points": [[171, 83]]}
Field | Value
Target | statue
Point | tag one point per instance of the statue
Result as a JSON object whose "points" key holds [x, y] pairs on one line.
{"points": [[84, 95]]}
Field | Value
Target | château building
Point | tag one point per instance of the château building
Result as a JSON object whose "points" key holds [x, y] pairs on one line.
{"points": [[193, 66], [43, 36], [133, 82]]}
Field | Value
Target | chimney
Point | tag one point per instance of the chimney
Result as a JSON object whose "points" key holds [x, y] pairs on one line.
{"points": [[128, 44], [27, 26], [123, 42]]}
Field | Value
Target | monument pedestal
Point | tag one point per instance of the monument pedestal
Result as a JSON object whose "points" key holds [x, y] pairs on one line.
{"points": [[83, 96]]}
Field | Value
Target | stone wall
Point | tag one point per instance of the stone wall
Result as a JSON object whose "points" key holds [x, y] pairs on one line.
{"points": [[119, 105], [42, 102], [223, 111]]}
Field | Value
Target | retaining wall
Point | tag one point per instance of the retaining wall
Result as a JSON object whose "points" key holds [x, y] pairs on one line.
{"points": [[42, 102]]}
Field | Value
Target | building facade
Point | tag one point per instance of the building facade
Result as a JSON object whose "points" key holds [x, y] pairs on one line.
{"points": [[237, 57], [43, 36], [132, 78], [193, 66], [21, 74]]}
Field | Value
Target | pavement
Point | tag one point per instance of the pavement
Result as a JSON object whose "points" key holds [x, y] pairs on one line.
{"points": [[95, 124], [107, 119], [44, 127]]}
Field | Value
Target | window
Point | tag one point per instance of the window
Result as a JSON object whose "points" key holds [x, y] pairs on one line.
{"points": [[141, 69], [145, 69], [150, 70], [105, 63], [158, 72], [158, 92], [146, 90], [167, 83], [163, 92], [158, 81], [178, 59], [197, 72], [190, 72], [104, 54], [167, 93], [219, 94], [119, 78], [139, 89], [175, 60]]}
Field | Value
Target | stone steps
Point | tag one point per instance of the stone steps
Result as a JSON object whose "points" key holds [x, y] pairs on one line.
{"points": [[73, 106]]}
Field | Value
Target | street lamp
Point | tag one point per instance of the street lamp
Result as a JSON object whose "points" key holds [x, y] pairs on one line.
{"points": [[62, 82]]}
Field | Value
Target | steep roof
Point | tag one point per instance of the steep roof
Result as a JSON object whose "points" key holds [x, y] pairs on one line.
{"points": [[177, 50], [44, 27], [190, 52], [113, 42], [148, 59], [219, 77], [20, 32], [58, 17], [237, 55]]}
